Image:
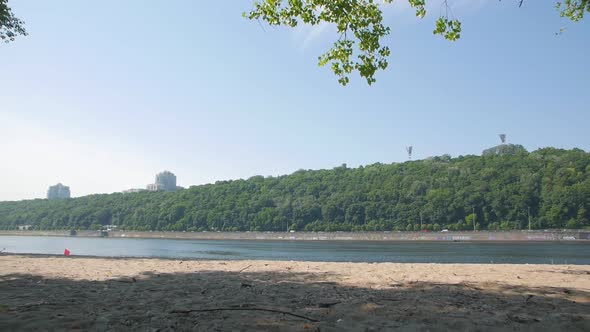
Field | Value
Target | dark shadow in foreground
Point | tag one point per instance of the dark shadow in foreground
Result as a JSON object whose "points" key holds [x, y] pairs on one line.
{"points": [[233, 301]]}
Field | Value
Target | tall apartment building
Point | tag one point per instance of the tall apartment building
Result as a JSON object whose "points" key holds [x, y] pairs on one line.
{"points": [[165, 181], [59, 191]]}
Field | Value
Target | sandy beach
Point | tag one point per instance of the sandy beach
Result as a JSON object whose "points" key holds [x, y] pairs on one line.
{"points": [[106, 294]]}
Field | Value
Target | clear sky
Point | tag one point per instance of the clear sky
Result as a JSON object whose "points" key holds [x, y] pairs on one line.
{"points": [[102, 95]]}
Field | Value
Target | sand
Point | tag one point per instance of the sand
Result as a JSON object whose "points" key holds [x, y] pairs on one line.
{"points": [[106, 294]]}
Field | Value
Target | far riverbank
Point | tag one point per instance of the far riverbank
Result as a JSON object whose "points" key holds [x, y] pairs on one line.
{"points": [[483, 236]]}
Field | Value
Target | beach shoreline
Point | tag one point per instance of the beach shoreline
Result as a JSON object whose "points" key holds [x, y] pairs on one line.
{"points": [[70, 293]]}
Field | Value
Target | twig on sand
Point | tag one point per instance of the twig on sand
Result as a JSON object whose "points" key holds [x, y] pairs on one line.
{"points": [[522, 319], [328, 304], [188, 311], [241, 270], [388, 299], [30, 305], [126, 280]]}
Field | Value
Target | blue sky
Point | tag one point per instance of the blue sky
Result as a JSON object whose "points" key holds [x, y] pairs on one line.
{"points": [[103, 95]]}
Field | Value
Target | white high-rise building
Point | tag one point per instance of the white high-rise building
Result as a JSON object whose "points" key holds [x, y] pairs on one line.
{"points": [[165, 181]]}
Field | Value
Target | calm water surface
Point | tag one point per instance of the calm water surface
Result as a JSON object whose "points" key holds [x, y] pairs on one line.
{"points": [[333, 251]]}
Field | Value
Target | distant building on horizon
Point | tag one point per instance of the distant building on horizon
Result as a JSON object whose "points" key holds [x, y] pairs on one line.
{"points": [[133, 190], [165, 181], [153, 187], [59, 191]]}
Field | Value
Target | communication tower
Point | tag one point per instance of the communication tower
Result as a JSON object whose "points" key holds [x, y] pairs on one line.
{"points": [[409, 149]]}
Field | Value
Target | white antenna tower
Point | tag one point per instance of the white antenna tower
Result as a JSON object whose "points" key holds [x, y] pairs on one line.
{"points": [[409, 149], [503, 138]]}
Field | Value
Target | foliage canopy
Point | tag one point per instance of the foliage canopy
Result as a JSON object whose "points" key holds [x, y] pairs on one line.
{"points": [[359, 24], [10, 26], [361, 30]]}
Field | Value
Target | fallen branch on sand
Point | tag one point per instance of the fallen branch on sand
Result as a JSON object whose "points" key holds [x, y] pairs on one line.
{"points": [[244, 268], [30, 305], [328, 305], [188, 311], [388, 299]]}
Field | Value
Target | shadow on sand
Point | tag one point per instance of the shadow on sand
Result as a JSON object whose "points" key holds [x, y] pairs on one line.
{"points": [[242, 301]]}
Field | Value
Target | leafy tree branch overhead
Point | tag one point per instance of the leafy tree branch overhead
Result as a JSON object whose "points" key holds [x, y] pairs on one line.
{"points": [[361, 30], [10, 26], [359, 46]]}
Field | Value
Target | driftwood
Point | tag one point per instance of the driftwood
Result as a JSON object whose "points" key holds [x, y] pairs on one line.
{"points": [[188, 311]]}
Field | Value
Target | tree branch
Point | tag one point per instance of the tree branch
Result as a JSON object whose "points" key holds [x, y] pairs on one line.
{"points": [[188, 311]]}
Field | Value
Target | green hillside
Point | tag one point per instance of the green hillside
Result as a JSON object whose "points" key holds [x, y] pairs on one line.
{"points": [[553, 184]]}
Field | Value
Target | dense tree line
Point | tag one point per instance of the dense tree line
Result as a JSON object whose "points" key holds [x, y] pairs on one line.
{"points": [[494, 191]]}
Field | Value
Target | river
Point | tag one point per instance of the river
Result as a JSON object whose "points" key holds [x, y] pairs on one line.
{"points": [[332, 251]]}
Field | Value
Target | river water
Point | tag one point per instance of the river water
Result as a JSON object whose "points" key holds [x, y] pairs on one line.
{"points": [[330, 251]]}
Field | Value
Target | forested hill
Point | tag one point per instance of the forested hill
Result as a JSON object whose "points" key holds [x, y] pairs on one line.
{"points": [[554, 184]]}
